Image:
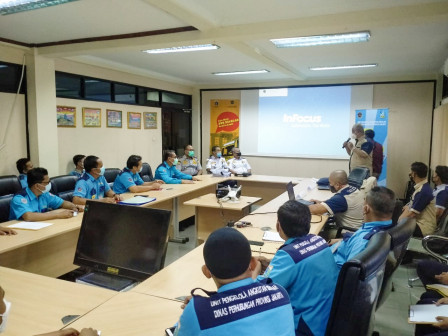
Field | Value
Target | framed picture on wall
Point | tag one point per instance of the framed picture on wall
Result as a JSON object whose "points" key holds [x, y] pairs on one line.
{"points": [[91, 117], [114, 118], [134, 120], [150, 120], [66, 116]]}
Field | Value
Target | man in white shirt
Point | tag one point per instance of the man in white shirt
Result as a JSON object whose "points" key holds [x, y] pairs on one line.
{"points": [[216, 164], [238, 165]]}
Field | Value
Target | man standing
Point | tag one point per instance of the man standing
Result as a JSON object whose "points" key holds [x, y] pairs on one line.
{"points": [[377, 154], [216, 164], [378, 209], [361, 152], [36, 203], [92, 185], [422, 205], [130, 180], [238, 165], [168, 173], [346, 205], [189, 164]]}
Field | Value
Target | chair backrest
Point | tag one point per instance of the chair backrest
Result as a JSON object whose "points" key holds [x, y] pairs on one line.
{"points": [[146, 173], [400, 235], [111, 174], [9, 185], [397, 211], [357, 176], [64, 186], [357, 289], [4, 207]]}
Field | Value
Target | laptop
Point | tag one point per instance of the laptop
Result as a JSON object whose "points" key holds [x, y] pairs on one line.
{"points": [[293, 197]]}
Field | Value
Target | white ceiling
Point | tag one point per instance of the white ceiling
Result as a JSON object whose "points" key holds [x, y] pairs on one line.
{"points": [[408, 37]]}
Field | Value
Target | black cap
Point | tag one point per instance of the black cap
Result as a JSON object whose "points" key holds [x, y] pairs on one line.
{"points": [[227, 253]]}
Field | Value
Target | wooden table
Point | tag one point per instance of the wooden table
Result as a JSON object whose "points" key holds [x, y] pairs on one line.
{"points": [[39, 303], [211, 214], [131, 314]]}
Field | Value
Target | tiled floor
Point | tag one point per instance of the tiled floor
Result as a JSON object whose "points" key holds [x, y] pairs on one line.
{"points": [[390, 319]]}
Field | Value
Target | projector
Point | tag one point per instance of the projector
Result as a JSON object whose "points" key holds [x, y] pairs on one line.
{"points": [[226, 194]]}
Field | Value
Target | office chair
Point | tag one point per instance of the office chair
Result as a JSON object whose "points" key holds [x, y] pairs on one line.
{"points": [[146, 173], [63, 186], [4, 207], [358, 288], [111, 174], [400, 235], [357, 176], [9, 185]]}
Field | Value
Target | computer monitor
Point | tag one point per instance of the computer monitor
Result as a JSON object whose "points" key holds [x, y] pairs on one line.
{"points": [[128, 241]]}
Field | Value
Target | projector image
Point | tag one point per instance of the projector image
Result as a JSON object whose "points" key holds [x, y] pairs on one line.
{"points": [[228, 194]]}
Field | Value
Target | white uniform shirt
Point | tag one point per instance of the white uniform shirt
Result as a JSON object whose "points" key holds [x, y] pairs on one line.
{"points": [[216, 165], [240, 166]]}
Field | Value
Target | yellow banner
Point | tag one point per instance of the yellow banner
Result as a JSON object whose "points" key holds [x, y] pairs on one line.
{"points": [[224, 124]]}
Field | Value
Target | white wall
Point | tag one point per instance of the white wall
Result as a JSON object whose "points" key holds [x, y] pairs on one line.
{"points": [[112, 145]]}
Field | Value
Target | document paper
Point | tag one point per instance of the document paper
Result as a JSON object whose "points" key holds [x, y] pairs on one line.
{"points": [[426, 313]]}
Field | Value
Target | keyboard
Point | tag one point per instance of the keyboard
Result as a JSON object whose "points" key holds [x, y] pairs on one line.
{"points": [[105, 280]]}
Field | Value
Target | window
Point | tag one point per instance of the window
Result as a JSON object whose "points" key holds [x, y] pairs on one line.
{"points": [[69, 86], [124, 93], [148, 97], [10, 77], [176, 99], [96, 89]]}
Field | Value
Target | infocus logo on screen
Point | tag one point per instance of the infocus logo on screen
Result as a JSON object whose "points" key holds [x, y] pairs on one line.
{"points": [[295, 118]]}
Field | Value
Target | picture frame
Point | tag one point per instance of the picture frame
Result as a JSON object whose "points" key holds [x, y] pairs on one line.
{"points": [[91, 117], [150, 120], [66, 116], [134, 120], [114, 118]]}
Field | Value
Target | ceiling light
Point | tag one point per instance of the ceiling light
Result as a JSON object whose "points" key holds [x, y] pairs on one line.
{"points": [[339, 67], [248, 72], [15, 6], [198, 47], [306, 41]]}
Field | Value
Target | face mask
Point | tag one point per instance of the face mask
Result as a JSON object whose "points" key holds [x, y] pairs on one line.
{"points": [[175, 162], [411, 178], [5, 316], [333, 189], [102, 170], [140, 170], [353, 136], [47, 188], [191, 153], [238, 154], [218, 154]]}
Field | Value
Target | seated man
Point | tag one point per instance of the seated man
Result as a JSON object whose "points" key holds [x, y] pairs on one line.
{"points": [[36, 203], [345, 205], [378, 209], [238, 165], [168, 173], [216, 164], [305, 267], [78, 160], [440, 179], [189, 164], [130, 180], [23, 166], [422, 204], [242, 306], [93, 185]]}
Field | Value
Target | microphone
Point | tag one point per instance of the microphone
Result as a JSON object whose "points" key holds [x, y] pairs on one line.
{"points": [[346, 141]]}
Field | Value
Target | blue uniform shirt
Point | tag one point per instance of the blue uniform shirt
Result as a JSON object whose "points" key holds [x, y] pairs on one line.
{"points": [[25, 201], [90, 188], [23, 178], [367, 146], [126, 179], [338, 203], [305, 267], [170, 175], [351, 245], [242, 308], [422, 198], [441, 195], [76, 173]]}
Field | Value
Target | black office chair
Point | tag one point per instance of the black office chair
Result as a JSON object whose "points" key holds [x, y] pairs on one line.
{"points": [[146, 173], [400, 235], [357, 290], [9, 185], [110, 175], [64, 186], [357, 176], [4, 207]]}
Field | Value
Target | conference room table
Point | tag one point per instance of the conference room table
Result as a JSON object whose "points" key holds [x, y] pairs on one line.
{"points": [[50, 251]]}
